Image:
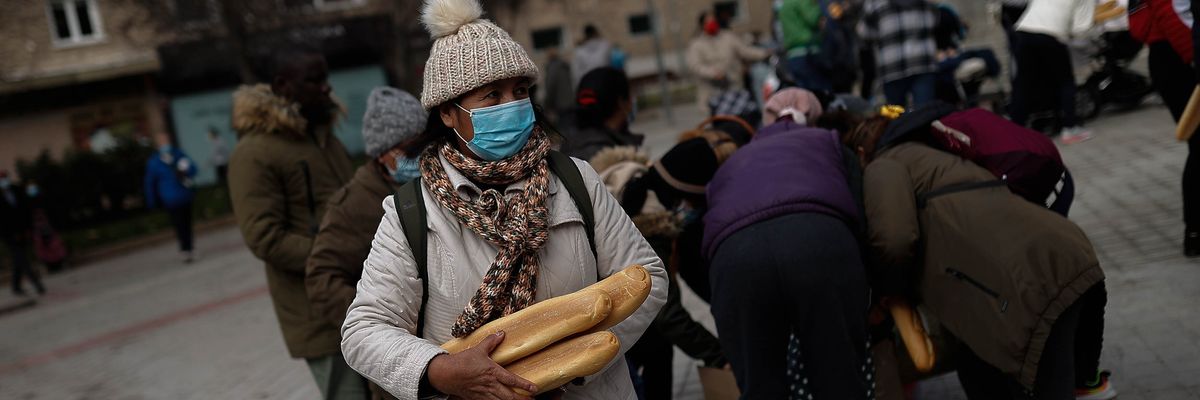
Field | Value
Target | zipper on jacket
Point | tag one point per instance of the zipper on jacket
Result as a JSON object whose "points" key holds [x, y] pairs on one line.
{"points": [[310, 199], [978, 285]]}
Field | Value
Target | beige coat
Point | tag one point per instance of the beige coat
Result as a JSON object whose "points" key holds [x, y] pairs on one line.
{"points": [[378, 340], [722, 55]]}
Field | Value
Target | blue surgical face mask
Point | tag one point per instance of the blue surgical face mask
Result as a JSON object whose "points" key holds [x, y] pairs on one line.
{"points": [[31, 191], [501, 130], [5, 183], [405, 169]]}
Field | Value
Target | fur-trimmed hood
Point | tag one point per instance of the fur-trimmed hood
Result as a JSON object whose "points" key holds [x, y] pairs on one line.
{"points": [[619, 165], [615, 155], [258, 110], [662, 224]]}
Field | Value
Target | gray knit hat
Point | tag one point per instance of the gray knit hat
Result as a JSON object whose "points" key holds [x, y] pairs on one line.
{"points": [[468, 52], [392, 117]]}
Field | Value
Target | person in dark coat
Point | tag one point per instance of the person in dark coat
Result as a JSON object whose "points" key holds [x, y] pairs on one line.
{"points": [[391, 132], [16, 223], [168, 181], [786, 259], [285, 167], [604, 111], [559, 99], [1017, 283], [659, 197], [1162, 25]]}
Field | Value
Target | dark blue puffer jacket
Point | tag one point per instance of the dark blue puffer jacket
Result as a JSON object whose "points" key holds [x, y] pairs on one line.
{"points": [[168, 179]]}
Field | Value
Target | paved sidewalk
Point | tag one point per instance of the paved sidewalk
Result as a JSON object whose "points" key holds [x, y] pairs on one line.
{"points": [[146, 326]]}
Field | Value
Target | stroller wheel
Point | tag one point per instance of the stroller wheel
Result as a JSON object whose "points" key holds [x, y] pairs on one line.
{"points": [[1087, 102]]}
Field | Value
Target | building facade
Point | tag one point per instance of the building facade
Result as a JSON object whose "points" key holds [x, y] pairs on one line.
{"points": [[73, 69], [77, 75], [628, 24]]}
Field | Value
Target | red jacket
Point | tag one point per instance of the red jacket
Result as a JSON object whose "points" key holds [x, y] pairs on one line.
{"points": [[1156, 20]]}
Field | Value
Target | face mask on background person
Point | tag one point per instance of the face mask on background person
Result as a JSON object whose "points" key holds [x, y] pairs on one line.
{"points": [[5, 183], [31, 191], [711, 27], [689, 214], [404, 169], [500, 130]]}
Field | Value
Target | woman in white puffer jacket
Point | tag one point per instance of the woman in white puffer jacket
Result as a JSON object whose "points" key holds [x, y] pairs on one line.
{"points": [[502, 232]]}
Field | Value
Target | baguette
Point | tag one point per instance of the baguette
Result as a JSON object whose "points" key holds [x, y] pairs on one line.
{"points": [[628, 290], [559, 364], [908, 322], [539, 325], [1104, 14], [1190, 120]]}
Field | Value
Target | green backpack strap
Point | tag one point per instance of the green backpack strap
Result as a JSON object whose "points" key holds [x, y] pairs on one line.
{"points": [[410, 207], [562, 166]]}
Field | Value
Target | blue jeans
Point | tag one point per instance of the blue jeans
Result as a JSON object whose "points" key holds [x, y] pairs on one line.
{"points": [[920, 86], [806, 74]]}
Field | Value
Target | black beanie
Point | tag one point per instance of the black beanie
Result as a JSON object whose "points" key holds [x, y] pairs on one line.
{"points": [[689, 166], [599, 93]]}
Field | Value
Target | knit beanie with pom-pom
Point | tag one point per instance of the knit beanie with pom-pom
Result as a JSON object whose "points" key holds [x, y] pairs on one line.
{"points": [[468, 51]]}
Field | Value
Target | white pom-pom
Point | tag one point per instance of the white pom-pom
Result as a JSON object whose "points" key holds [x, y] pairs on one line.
{"points": [[444, 17]]}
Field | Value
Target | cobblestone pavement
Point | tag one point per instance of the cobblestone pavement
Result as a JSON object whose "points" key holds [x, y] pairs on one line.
{"points": [[145, 326]]}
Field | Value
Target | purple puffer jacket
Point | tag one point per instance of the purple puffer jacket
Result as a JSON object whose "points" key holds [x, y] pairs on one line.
{"points": [[787, 168]]}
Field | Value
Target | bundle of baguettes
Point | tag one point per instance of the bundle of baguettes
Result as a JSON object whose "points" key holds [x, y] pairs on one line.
{"points": [[557, 340]]}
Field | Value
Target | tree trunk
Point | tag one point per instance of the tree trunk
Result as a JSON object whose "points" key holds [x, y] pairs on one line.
{"points": [[232, 12]]}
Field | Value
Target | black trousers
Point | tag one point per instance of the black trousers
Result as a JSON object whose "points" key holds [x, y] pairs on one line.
{"points": [[801, 271], [21, 266], [1070, 359], [866, 60], [654, 355], [181, 218], [1174, 81], [1044, 71]]}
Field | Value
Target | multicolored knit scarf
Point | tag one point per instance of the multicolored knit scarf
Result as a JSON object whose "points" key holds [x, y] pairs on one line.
{"points": [[517, 225]]}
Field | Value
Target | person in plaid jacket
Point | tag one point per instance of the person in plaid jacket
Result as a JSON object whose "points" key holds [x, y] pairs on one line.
{"points": [[905, 50]]}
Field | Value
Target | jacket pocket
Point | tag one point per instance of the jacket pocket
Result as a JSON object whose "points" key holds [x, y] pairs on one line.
{"points": [[963, 277]]}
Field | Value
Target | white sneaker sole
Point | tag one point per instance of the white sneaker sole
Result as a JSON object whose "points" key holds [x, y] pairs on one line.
{"points": [[1077, 140], [1107, 394]]}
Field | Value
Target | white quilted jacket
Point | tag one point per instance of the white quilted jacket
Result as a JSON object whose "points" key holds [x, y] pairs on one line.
{"points": [[378, 340]]}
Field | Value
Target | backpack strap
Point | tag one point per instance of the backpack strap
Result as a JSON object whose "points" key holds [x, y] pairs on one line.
{"points": [[410, 207], [923, 199], [562, 166]]}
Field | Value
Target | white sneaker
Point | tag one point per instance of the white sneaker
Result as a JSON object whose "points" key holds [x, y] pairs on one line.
{"points": [[1075, 134], [1101, 390]]}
